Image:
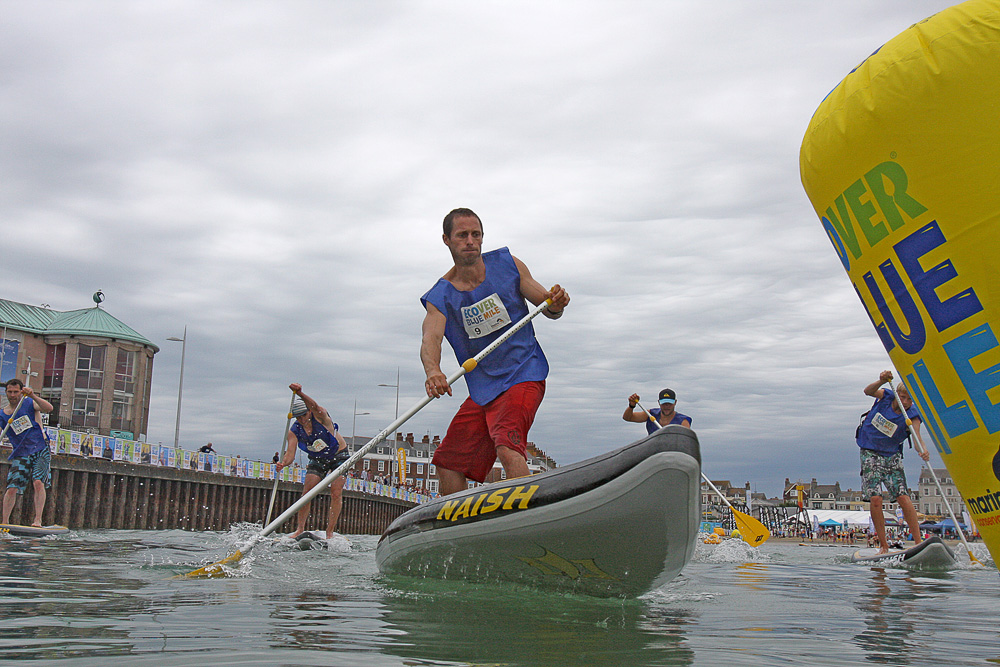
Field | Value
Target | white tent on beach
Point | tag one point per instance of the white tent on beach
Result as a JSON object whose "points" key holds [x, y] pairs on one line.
{"points": [[854, 519]]}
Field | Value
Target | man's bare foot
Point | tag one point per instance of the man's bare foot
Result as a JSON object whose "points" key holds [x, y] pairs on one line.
{"points": [[297, 533], [36, 525], [883, 550]]}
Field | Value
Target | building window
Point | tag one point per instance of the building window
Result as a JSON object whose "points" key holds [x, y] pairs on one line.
{"points": [[420, 468], [125, 372], [86, 408], [432, 469], [432, 484], [90, 367], [368, 464], [381, 466], [407, 468]]}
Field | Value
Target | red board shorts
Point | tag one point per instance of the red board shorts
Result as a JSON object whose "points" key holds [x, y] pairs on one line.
{"points": [[470, 445]]}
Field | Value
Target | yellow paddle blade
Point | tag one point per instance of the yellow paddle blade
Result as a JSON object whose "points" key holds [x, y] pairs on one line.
{"points": [[214, 569], [752, 531]]}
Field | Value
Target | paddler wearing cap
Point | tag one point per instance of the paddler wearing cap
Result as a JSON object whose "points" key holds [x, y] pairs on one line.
{"points": [[664, 415], [316, 434]]}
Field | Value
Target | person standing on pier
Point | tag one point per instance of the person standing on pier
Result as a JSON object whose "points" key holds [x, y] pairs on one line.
{"points": [[880, 437], [30, 458], [664, 415], [317, 435], [471, 305]]}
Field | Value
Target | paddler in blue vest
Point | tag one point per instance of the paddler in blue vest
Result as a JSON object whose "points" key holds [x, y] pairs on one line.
{"points": [[317, 435], [880, 438], [30, 459], [471, 305], [664, 415]]}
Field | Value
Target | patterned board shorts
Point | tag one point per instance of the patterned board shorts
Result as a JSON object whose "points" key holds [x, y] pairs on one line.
{"points": [[26, 468], [877, 471]]}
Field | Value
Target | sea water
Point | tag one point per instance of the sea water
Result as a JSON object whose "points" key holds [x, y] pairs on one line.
{"points": [[110, 597]]}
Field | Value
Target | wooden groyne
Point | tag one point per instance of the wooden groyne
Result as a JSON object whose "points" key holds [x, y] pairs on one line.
{"points": [[95, 493]]}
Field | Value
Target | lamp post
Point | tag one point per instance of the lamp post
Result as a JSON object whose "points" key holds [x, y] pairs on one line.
{"points": [[180, 385], [355, 424], [397, 392]]}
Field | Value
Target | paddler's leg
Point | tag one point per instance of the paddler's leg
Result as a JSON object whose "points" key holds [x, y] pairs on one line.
{"points": [[509, 418], [513, 462], [336, 502], [39, 488], [878, 519], [910, 515], [311, 481], [9, 498], [451, 481]]}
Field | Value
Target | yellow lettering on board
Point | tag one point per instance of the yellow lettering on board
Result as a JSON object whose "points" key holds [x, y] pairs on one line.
{"points": [[494, 501], [463, 510], [519, 493], [446, 509], [479, 501]]}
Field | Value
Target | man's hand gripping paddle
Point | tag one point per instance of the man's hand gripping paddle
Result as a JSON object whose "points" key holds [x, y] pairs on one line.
{"points": [[752, 531], [217, 569]]}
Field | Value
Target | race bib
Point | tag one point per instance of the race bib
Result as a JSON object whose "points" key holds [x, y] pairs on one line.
{"points": [[884, 426], [485, 317], [317, 445], [21, 424]]}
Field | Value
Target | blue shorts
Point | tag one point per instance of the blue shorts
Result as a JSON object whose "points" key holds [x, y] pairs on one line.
{"points": [[31, 467]]}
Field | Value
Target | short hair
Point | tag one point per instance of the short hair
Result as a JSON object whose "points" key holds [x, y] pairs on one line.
{"points": [[14, 381], [902, 387], [449, 220]]}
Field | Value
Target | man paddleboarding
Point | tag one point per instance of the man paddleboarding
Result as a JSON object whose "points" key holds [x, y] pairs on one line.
{"points": [[880, 437], [317, 435], [471, 305], [30, 459]]}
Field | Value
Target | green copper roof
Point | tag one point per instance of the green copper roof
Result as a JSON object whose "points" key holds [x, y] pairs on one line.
{"points": [[83, 322]]}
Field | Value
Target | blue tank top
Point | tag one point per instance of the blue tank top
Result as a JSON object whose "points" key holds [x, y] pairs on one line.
{"points": [[652, 428], [884, 430], [478, 317], [320, 445], [25, 434]]}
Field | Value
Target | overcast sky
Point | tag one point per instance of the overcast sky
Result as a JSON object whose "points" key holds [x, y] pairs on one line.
{"points": [[273, 176]]}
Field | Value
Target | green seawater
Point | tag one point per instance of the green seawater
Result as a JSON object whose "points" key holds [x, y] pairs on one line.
{"points": [[109, 597]]}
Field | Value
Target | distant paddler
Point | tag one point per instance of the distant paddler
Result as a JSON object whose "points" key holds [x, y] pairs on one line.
{"points": [[664, 415], [472, 305], [318, 436], [880, 438], [30, 459]]}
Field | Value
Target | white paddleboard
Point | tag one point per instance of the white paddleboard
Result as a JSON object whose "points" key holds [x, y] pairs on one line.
{"points": [[932, 553], [32, 531]]}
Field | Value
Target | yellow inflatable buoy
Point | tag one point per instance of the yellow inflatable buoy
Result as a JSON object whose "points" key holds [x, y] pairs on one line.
{"points": [[902, 164]]}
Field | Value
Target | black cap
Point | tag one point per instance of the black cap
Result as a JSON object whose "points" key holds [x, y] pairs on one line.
{"points": [[667, 396]]}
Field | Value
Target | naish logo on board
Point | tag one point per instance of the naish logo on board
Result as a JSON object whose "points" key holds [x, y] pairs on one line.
{"points": [[453, 510]]}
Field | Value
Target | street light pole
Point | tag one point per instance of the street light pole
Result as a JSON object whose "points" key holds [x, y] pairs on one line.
{"points": [[180, 385], [397, 392], [355, 424]]}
